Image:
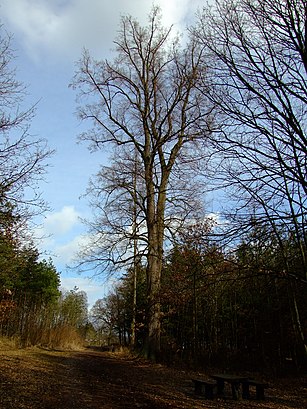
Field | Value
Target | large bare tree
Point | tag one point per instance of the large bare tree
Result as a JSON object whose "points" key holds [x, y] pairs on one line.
{"points": [[257, 57], [148, 98]]}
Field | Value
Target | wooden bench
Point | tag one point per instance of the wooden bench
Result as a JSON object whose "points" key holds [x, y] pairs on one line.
{"points": [[204, 387], [234, 380], [260, 386]]}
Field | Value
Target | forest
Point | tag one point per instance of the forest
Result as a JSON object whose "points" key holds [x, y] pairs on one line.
{"points": [[201, 209]]}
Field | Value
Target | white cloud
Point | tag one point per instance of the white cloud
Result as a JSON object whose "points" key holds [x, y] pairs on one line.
{"points": [[66, 253], [175, 12], [58, 28], [61, 222], [94, 290], [214, 217], [64, 28], [59, 235]]}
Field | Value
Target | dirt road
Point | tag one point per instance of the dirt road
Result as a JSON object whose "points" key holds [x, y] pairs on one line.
{"points": [[39, 379]]}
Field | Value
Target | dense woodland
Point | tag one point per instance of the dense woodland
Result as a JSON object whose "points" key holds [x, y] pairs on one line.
{"points": [[230, 308], [217, 116]]}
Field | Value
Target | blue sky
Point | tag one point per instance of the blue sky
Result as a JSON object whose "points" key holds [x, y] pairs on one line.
{"points": [[49, 36]]}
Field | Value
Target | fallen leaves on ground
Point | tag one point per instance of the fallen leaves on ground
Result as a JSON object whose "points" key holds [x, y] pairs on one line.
{"points": [[92, 379]]}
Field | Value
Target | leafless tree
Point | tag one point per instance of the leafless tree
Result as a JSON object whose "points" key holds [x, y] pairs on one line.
{"points": [[22, 157], [257, 61], [257, 52], [146, 99]]}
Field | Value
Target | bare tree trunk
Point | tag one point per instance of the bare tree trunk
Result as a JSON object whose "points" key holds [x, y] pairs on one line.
{"points": [[154, 307], [297, 327], [135, 252], [134, 306], [154, 266]]}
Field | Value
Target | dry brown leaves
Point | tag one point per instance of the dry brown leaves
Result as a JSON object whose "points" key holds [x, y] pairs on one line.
{"points": [[41, 379]]}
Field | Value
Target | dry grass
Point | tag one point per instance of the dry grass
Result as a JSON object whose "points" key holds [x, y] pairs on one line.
{"points": [[64, 337], [90, 379], [9, 343]]}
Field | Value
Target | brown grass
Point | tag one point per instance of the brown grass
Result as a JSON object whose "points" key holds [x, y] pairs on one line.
{"points": [[36, 378]]}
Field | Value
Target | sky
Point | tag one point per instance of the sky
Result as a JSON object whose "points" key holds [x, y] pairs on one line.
{"points": [[48, 38]]}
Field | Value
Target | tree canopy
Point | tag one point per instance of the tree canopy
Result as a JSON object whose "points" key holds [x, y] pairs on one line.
{"points": [[148, 98]]}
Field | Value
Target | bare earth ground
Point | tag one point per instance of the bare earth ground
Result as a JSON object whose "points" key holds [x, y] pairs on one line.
{"points": [[91, 379]]}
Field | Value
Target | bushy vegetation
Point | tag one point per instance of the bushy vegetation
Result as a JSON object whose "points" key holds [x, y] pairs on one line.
{"points": [[232, 307], [33, 310]]}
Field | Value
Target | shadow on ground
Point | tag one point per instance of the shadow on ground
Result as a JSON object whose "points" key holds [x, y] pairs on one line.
{"points": [[92, 379]]}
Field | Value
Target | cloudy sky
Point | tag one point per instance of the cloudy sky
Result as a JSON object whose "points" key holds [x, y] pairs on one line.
{"points": [[49, 36]]}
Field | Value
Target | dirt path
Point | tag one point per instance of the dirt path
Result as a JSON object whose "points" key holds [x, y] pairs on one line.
{"points": [[38, 379]]}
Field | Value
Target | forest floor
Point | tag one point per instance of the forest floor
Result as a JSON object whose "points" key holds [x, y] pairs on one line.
{"points": [[92, 379]]}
